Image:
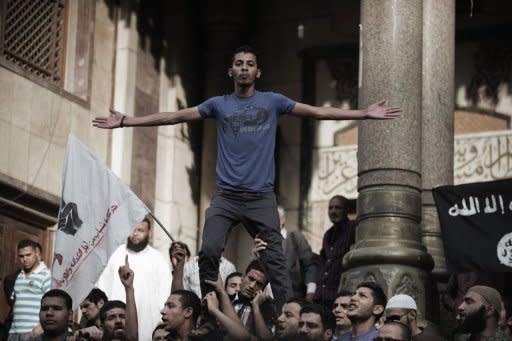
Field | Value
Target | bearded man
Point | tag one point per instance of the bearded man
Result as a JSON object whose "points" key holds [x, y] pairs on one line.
{"points": [[153, 276], [478, 315]]}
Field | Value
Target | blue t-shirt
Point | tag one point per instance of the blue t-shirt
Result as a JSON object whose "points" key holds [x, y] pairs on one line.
{"points": [[368, 336], [246, 136]]}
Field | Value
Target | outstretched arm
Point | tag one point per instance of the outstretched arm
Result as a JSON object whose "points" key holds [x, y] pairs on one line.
{"points": [[376, 111], [160, 118]]}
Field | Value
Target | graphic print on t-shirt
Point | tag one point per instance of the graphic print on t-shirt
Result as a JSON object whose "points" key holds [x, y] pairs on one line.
{"points": [[246, 119]]}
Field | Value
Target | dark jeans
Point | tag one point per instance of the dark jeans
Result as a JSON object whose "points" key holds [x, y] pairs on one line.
{"points": [[258, 213]]}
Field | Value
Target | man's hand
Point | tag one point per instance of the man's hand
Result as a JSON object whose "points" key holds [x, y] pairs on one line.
{"points": [[91, 333], [218, 284], [212, 302], [178, 254], [378, 111], [259, 298], [109, 122], [258, 246], [126, 274]]}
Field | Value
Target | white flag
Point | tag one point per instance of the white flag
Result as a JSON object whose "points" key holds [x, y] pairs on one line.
{"points": [[98, 212]]}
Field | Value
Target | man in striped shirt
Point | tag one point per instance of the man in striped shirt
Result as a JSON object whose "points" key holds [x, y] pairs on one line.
{"points": [[31, 284]]}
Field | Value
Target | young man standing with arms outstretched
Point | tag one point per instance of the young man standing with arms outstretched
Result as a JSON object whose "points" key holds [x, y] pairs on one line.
{"points": [[246, 134]]}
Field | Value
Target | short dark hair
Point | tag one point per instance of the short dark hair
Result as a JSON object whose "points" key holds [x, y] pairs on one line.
{"points": [[342, 198], [405, 331], [327, 317], [231, 275], [379, 297], [298, 300], [343, 293], [255, 264], [59, 293], [96, 295], [109, 305], [28, 243], [147, 221], [189, 299], [244, 49]]}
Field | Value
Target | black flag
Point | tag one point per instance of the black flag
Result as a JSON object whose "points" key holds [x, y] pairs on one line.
{"points": [[476, 224]]}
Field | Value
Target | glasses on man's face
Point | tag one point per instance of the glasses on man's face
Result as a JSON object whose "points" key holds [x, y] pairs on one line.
{"points": [[395, 318], [380, 338]]}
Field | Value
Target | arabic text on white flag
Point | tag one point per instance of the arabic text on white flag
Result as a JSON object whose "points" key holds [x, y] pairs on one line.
{"points": [[98, 212]]}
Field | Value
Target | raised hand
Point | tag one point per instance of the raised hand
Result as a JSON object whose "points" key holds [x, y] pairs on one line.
{"points": [[218, 284], [126, 274], [258, 246], [212, 302], [109, 122], [378, 111], [178, 254]]}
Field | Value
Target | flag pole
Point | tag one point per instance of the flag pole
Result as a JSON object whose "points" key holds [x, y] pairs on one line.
{"points": [[162, 227]]}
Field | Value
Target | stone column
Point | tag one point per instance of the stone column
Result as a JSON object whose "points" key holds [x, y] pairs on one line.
{"points": [[437, 129], [437, 118], [124, 89], [388, 246]]}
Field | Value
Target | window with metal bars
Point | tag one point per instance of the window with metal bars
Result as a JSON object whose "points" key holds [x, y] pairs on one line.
{"points": [[34, 37], [50, 42]]}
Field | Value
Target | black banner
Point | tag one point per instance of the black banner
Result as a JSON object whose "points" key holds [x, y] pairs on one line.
{"points": [[476, 225]]}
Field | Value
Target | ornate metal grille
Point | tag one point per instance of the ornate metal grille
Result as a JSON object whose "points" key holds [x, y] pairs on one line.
{"points": [[34, 37]]}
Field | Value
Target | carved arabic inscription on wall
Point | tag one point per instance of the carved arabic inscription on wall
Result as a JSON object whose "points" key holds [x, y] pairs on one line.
{"points": [[482, 157], [477, 157], [337, 172]]}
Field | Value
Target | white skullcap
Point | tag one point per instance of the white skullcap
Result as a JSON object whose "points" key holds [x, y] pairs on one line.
{"points": [[402, 301]]}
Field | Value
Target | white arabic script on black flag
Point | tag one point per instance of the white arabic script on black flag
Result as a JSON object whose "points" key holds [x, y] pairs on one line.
{"points": [[476, 225]]}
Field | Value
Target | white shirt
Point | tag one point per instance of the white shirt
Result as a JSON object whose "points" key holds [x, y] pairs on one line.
{"points": [[151, 283], [191, 273]]}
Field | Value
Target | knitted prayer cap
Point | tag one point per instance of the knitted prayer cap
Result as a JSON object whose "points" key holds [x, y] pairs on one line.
{"points": [[402, 301], [491, 295]]}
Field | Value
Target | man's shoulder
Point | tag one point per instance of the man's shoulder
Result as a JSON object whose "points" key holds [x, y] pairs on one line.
{"points": [[345, 337], [429, 332], [151, 250], [268, 95], [118, 256], [41, 271]]}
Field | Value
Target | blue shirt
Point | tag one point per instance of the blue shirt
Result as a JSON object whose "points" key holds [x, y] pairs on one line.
{"points": [[368, 336], [246, 136], [28, 291]]}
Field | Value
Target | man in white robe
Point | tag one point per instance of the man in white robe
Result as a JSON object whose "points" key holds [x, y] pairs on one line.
{"points": [[152, 278]]}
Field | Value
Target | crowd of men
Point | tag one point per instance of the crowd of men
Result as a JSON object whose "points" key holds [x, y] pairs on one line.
{"points": [[241, 305]]}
